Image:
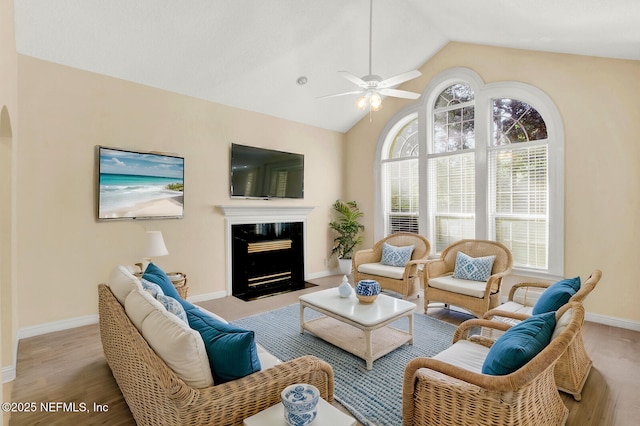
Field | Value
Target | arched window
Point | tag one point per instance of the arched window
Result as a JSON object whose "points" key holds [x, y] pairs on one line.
{"points": [[399, 171], [451, 166], [486, 162], [519, 181]]}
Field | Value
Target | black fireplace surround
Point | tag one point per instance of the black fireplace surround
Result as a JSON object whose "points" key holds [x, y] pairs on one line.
{"points": [[267, 259]]}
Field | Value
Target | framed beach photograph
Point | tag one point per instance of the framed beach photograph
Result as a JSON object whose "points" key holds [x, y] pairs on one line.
{"points": [[139, 185]]}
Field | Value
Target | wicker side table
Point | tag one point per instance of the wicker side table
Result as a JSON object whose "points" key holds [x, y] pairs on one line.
{"points": [[179, 280]]}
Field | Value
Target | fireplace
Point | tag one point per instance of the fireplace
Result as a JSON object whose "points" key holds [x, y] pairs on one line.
{"points": [[265, 249], [267, 259]]}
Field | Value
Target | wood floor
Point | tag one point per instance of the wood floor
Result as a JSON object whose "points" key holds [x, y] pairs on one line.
{"points": [[68, 367]]}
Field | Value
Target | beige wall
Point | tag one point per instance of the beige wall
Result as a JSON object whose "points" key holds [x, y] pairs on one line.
{"points": [[63, 252], [598, 101], [8, 138]]}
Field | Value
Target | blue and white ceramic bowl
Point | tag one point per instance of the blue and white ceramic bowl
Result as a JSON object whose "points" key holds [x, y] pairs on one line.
{"points": [[367, 290], [300, 403]]}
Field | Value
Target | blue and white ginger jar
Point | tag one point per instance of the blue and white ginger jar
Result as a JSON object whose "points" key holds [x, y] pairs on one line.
{"points": [[367, 290], [300, 404]]}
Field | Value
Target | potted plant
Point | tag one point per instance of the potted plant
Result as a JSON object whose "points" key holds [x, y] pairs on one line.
{"points": [[348, 228]]}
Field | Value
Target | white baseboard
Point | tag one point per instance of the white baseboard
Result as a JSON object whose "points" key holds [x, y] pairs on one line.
{"points": [[207, 296], [613, 321], [50, 327], [322, 274], [8, 373]]}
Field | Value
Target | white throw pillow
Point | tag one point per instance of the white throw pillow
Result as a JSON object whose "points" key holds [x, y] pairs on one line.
{"points": [[562, 323], [122, 282], [138, 305], [179, 346]]}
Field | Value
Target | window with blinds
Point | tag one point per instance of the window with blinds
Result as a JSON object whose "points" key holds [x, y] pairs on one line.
{"points": [[401, 181], [451, 167], [452, 198], [519, 182]]}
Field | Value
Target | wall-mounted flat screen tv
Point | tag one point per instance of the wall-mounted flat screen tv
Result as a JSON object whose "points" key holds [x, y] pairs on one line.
{"points": [[266, 173], [139, 185]]}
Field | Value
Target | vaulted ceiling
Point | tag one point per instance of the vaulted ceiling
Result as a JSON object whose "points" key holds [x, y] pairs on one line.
{"points": [[250, 53]]}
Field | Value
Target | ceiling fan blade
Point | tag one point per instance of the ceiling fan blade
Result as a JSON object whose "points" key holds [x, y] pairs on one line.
{"points": [[399, 93], [340, 94], [354, 79], [400, 78]]}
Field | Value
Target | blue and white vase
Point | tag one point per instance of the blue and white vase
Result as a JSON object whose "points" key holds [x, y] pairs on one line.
{"points": [[367, 290]]}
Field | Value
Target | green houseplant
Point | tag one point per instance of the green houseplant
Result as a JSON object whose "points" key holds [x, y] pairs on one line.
{"points": [[348, 230]]}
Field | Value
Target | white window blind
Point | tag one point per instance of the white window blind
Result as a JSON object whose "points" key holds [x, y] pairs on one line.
{"points": [[452, 198], [518, 204], [402, 195]]}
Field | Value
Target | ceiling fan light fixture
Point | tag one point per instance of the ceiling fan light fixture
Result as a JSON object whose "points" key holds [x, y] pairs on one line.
{"points": [[371, 87], [375, 101], [362, 102]]}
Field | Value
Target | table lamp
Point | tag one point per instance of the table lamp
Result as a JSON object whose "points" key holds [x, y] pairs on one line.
{"points": [[155, 246]]}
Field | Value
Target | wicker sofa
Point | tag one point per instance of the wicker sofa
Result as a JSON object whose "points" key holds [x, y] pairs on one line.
{"points": [[156, 395]]}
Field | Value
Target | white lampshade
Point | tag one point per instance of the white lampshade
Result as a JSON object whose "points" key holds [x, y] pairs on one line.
{"points": [[155, 245]]}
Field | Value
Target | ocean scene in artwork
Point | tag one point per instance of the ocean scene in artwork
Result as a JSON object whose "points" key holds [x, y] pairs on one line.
{"points": [[140, 185]]}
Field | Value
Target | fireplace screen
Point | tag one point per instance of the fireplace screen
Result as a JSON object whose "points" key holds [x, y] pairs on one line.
{"points": [[268, 258]]}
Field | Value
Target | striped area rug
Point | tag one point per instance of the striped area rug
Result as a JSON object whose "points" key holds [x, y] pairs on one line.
{"points": [[374, 397]]}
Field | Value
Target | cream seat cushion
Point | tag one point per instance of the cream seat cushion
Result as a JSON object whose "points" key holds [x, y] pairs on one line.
{"points": [[470, 356], [457, 285], [464, 354], [515, 307], [266, 359], [395, 272]]}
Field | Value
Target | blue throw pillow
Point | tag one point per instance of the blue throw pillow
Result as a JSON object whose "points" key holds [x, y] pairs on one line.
{"points": [[396, 256], [158, 276], [231, 350], [173, 306], [556, 295], [153, 288], [519, 345], [473, 268]]}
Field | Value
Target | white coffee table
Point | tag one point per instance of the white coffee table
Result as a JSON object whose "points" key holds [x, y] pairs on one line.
{"points": [[364, 319], [328, 415]]}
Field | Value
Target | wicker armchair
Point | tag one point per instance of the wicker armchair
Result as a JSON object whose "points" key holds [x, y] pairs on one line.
{"points": [[573, 367], [404, 280], [436, 392], [477, 304], [157, 396]]}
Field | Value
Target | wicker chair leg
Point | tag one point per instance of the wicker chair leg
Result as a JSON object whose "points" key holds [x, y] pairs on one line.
{"points": [[573, 368]]}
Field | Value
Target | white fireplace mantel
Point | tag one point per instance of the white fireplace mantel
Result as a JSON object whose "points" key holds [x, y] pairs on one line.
{"points": [[241, 214], [264, 214]]}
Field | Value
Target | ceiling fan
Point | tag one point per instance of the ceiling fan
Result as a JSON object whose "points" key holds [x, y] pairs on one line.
{"points": [[372, 87]]}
